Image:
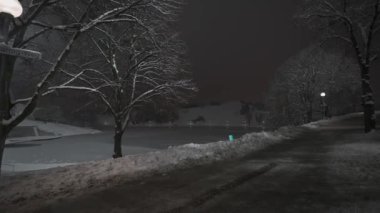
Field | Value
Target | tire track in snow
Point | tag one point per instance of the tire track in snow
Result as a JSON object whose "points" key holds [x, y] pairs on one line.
{"points": [[216, 191]]}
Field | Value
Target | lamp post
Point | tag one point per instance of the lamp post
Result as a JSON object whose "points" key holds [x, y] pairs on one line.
{"points": [[9, 9], [324, 105], [5, 19]]}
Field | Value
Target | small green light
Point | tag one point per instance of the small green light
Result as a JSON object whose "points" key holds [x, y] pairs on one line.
{"points": [[231, 138]]}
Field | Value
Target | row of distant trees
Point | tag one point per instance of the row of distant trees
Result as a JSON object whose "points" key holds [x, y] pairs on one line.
{"points": [[126, 54], [294, 97], [353, 26]]}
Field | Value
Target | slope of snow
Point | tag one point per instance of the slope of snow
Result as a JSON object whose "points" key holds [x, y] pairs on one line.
{"points": [[73, 179], [30, 138], [23, 167], [59, 129], [334, 121], [317, 124]]}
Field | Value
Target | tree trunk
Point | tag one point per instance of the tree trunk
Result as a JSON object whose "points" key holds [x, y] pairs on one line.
{"points": [[5, 77], [117, 141], [309, 115], [368, 103], [3, 137], [309, 112]]}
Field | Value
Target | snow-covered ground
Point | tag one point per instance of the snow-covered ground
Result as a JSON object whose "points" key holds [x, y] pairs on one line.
{"points": [[59, 129], [72, 179], [30, 130], [24, 167], [321, 123], [93, 147], [27, 134]]}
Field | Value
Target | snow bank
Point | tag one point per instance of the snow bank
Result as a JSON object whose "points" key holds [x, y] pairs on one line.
{"points": [[320, 123], [30, 138], [8, 168], [69, 180], [59, 129]]}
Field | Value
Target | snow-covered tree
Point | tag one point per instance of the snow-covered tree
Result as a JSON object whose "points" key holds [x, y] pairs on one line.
{"points": [[294, 97], [80, 17], [357, 23], [135, 65]]}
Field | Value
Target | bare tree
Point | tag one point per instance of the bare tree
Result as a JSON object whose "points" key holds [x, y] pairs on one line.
{"points": [[296, 87], [357, 23], [294, 95], [143, 66], [82, 16], [247, 111]]}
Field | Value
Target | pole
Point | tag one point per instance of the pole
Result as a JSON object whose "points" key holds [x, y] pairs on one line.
{"points": [[324, 108], [5, 20], [8, 11]]}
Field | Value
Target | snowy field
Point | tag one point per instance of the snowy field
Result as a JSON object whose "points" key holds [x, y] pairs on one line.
{"points": [[77, 145], [35, 155], [59, 129], [30, 130], [72, 179]]}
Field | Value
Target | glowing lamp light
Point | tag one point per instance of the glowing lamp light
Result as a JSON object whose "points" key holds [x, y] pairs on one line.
{"points": [[12, 7], [323, 94]]}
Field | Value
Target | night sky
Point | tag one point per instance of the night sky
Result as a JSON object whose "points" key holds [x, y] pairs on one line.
{"points": [[236, 46]]}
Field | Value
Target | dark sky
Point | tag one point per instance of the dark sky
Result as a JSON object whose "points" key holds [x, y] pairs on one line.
{"points": [[236, 46]]}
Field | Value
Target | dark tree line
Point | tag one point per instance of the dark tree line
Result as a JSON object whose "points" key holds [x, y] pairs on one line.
{"points": [[294, 97], [356, 23]]}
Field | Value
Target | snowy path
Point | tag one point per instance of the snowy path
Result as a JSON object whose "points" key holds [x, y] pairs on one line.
{"points": [[332, 168]]}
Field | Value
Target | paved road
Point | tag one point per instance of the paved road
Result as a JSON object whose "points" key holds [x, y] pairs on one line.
{"points": [[332, 169]]}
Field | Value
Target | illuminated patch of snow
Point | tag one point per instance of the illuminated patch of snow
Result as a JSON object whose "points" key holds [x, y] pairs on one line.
{"points": [[59, 129], [9, 169]]}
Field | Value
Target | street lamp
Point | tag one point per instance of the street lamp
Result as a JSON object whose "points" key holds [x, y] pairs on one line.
{"points": [[9, 9], [324, 105], [12, 7]]}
